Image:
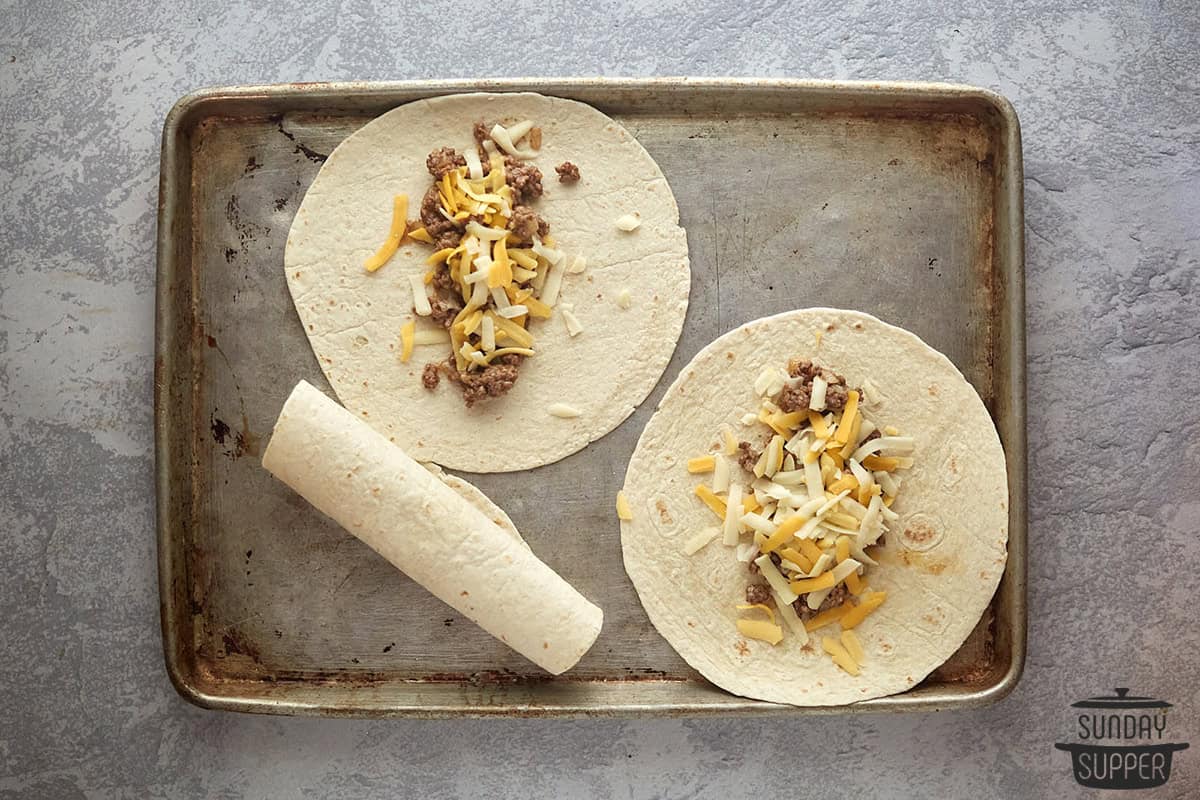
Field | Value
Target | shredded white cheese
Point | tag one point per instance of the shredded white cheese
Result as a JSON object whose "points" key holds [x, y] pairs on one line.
{"points": [[817, 400], [501, 137], [512, 312], [574, 326], [500, 297], [563, 411], [550, 288], [697, 542], [578, 265], [720, 473], [734, 501], [548, 253], [420, 298], [779, 584], [628, 222], [624, 299], [487, 334], [430, 336], [474, 166]]}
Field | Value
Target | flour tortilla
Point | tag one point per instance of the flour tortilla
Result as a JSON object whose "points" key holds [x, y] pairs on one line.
{"points": [[442, 533], [942, 560], [353, 318]]}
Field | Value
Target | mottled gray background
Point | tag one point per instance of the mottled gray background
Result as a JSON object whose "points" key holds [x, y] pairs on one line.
{"points": [[1107, 94]]}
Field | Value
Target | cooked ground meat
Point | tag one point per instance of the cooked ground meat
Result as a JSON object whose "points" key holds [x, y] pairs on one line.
{"points": [[875, 434], [512, 359], [795, 398], [567, 172], [442, 279], [835, 396], [526, 223], [431, 376], [493, 381], [835, 598], [450, 238], [444, 311], [443, 160], [747, 456], [758, 593], [801, 368], [525, 180], [431, 217], [482, 133]]}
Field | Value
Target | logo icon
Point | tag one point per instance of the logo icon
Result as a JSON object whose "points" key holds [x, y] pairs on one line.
{"points": [[1121, 742]]}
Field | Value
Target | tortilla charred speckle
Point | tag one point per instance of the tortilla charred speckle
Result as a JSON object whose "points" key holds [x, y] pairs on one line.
{"points": [[431, 376], [443, 160], [567, 172]]}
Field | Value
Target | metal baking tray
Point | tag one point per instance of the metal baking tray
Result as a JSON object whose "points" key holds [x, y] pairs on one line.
{"points": [[902, 200]]}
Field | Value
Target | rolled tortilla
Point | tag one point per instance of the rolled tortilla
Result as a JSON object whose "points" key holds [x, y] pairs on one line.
{"points": [[409, 516]]}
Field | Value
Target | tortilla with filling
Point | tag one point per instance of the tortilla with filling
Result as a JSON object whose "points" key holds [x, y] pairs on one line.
{"points": [[940, 564], [434, 530], [353, 318]]}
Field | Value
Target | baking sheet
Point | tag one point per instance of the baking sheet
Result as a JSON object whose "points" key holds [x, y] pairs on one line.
{"points": [[902, 200]]}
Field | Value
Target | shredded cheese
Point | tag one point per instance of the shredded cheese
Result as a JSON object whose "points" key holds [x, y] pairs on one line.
{"points": [[731, 522], [628, 222], [420, 298], [762, 630], [574, 326], [774, 577], [578, 265], [563, 411], [839, 655], [701, 464], [624, 299], [853, 646], [395, 234], [406, 340], [698, 541], [623, 510]]}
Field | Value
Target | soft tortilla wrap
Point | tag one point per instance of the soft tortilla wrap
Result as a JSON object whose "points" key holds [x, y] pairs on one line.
{"points": [[353, 318], [940, 564], [470, 560]]}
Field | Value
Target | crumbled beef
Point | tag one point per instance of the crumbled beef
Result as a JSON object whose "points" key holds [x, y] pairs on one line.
{"points": [[449, 239], [431, 217], [567, 172], [758, 593], [795, 398], [747, 456], [431, 376], [525, 180], [511, 359], [443, 160], [442, 279], [875, 434], [801, 368], [836, 396], [482, 133], [492, 381], [444, 311], [527, 223], [836, 596], [754, 570]]}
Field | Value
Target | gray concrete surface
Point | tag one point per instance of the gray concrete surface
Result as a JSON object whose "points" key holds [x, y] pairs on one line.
{"points": [[1107, 94]]}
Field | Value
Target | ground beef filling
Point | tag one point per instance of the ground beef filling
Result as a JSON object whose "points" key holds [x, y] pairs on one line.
{"points": [[747, 456], [797, 397], [567, 172], [836, 596], [526, 182]]}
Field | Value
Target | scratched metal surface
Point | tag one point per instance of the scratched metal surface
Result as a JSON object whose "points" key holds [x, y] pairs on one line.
{"points": [[903, 202]]}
